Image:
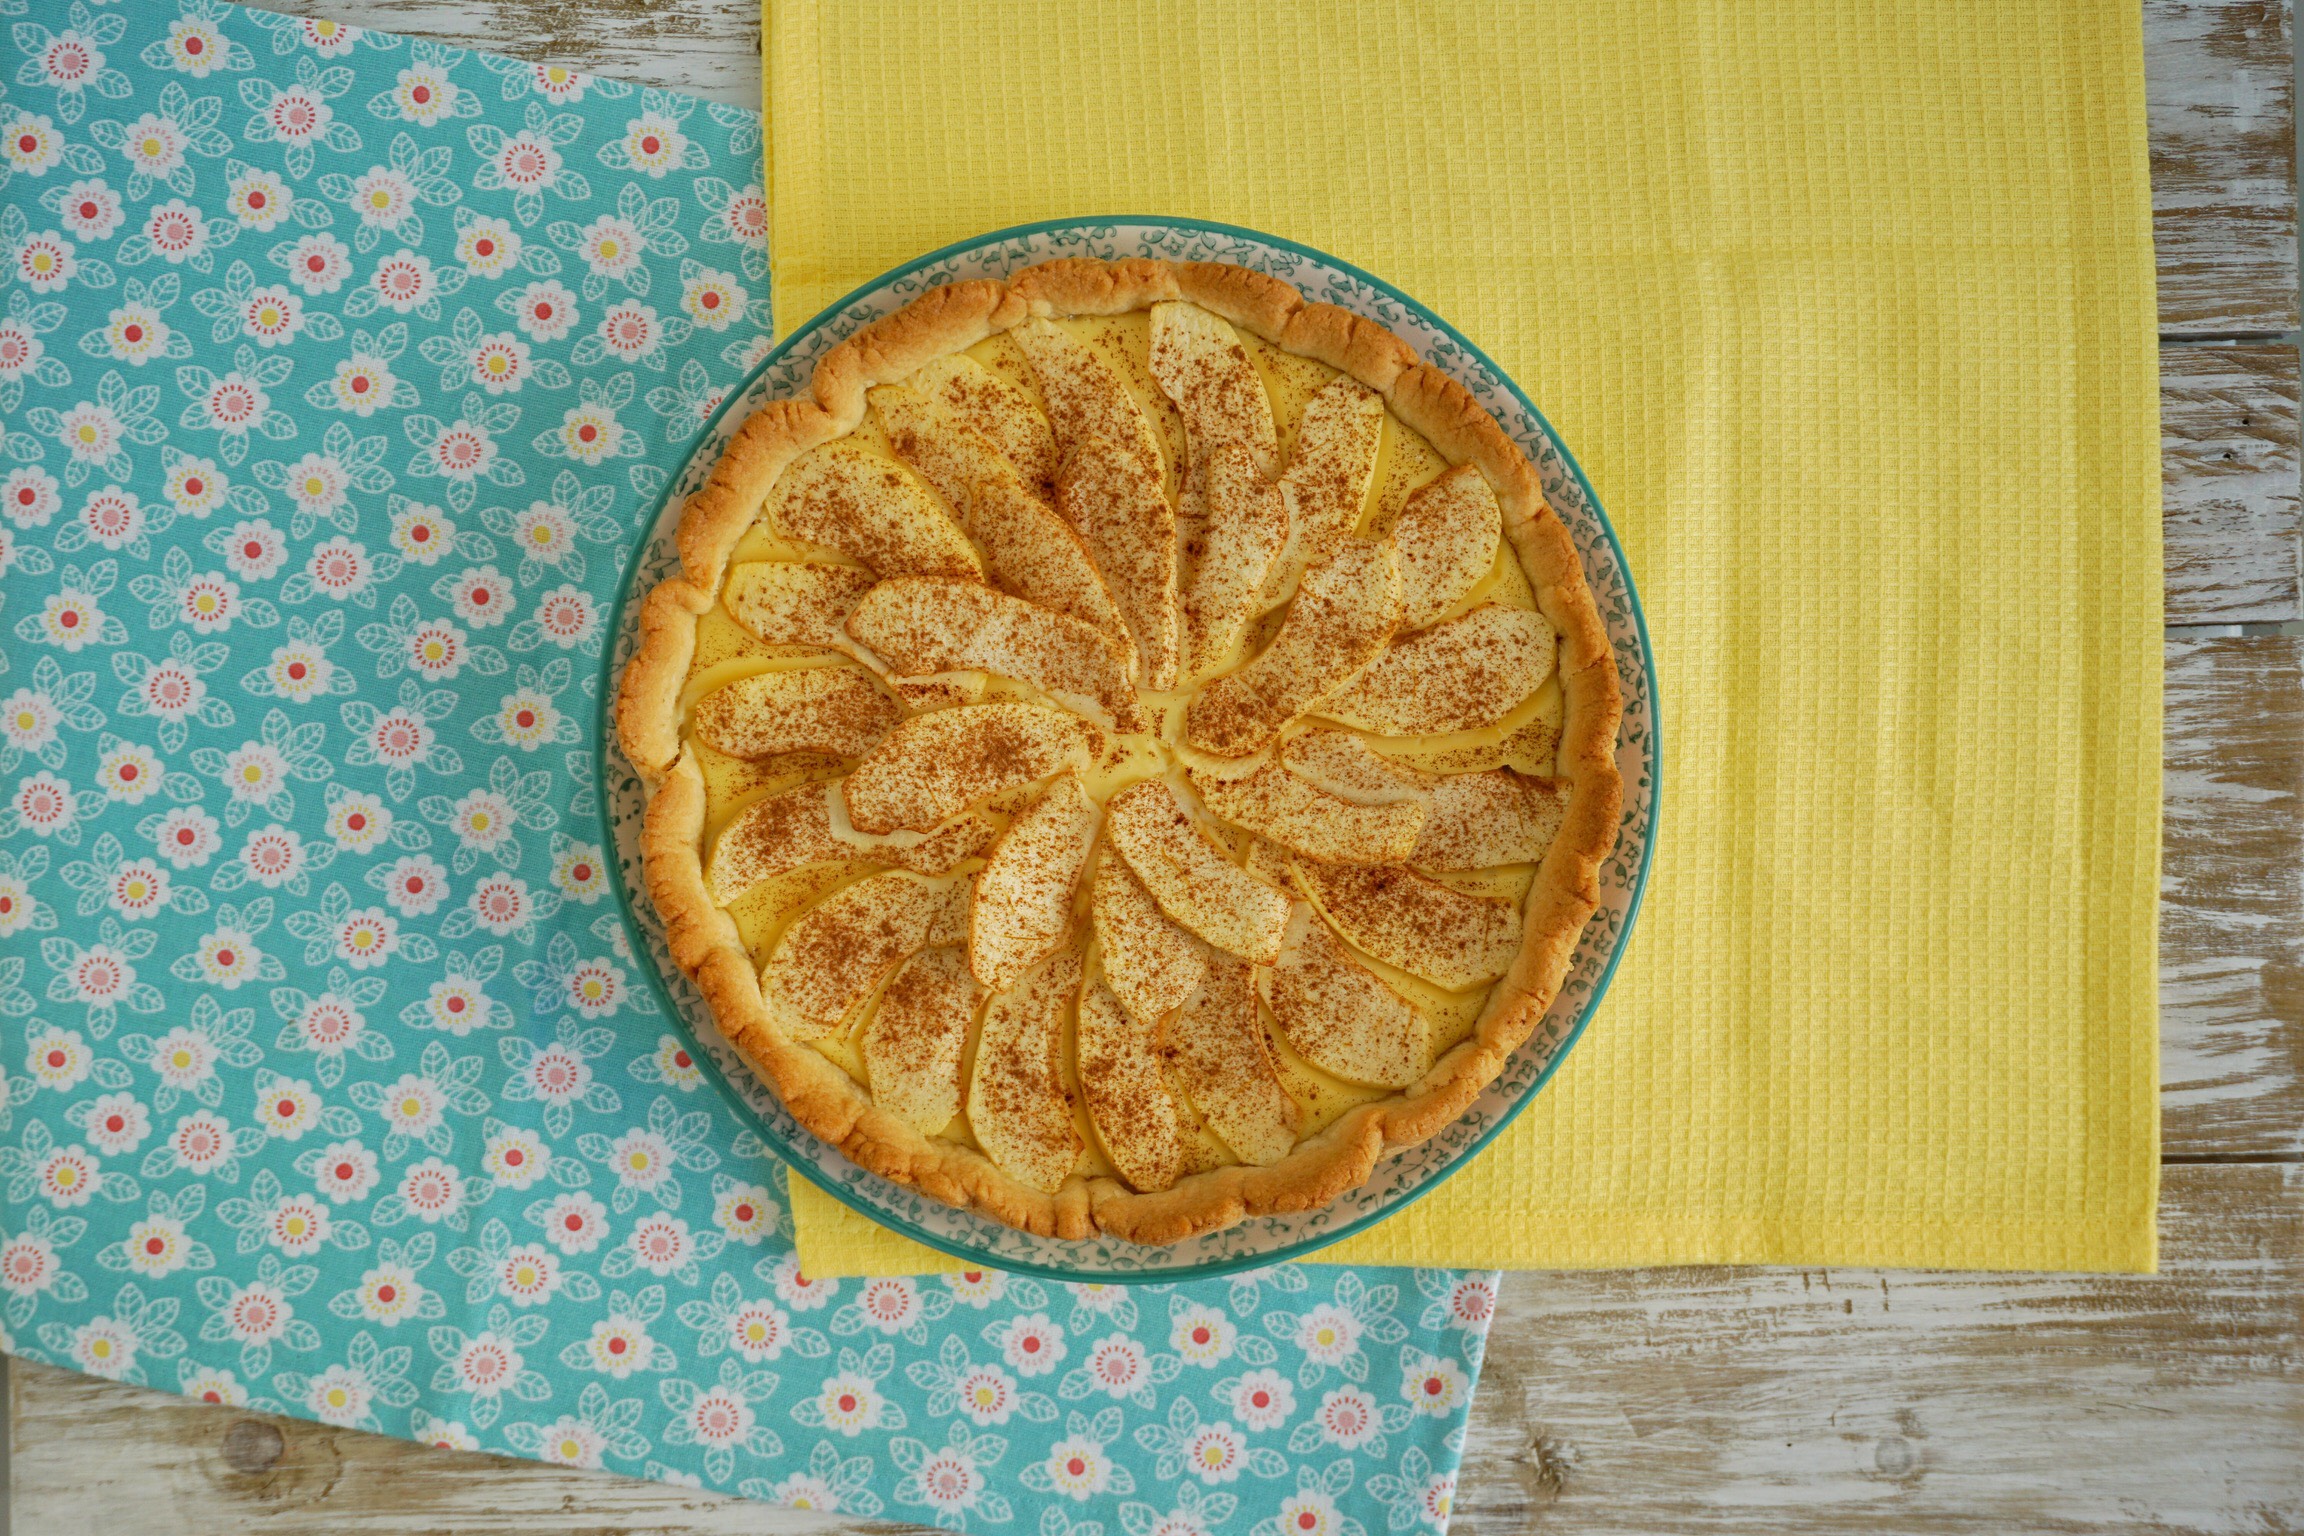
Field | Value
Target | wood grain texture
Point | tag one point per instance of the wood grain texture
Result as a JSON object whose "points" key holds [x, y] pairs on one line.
{"points": [[2232, 904], [1848, 1401], [709, 48], [1777, 1401], [2220, 88], [2228, 430]]}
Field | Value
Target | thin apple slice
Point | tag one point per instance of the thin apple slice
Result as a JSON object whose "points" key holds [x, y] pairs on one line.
{"points": [[1340, 1015], [1126, 1093], [1345, 610], [1325, 486], [933, 766], [1028, 549], [1217, 1051], [1017, 1106], [1151, 964], [1190, 878], [1452, 940], [836, 952], [1481, 820], [1446, 535], [1347, 767], [838, 710], [1462, 675], [972, 395], [923, 627], [1275, 803], [872, 510], [1122, 515], [1084, 396], [1199, 363], [796, 602], [780, 833], [914, 1046], [1023, 902], [1246, 530]]}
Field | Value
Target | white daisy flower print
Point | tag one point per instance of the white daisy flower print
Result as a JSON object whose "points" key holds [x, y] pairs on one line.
{"points": [[193, 486], [488, 247], [187, 837], [275, 856], [205, 1384], [194, 46], [515, 1158], [258, 200], [318, 263], [388, 1295], [363, 384], [796, 1290], [253, 549], [58, 1059], [1259, 1400], [433, 1191], [155, 1248], [481, 595], [46, 806], [28, 1265], [31, 143], [530, 1274], [45, 262], [29, 496], [68, 1177], [19, 908], [116, 1123], [573, 1222], [344, 1171], [405, 283], [287, 1108], [421, 534], [545, 311], [675, 1066], [414, 884], [1032, 1345], [1201, 1334], [358, 822], [661, 1245], [130, 772], [91, 210], [135, 333], [629, 331], [758, 1331], [712, 299], [178, 234]]}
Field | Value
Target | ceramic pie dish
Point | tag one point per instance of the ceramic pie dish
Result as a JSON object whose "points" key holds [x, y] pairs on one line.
{"points": [[1128, 750]]}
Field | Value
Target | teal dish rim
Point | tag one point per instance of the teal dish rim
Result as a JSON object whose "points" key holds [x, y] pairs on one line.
{"points": [[603, 725]]}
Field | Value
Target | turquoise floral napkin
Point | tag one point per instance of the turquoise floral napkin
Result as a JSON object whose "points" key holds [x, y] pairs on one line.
{"points": [[339, 373]]}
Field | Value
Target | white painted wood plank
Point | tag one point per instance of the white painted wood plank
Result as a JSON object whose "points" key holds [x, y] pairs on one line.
{"points": [[1856, 1401], [2228, 428], [1776, 1401], [2220, 89], [2232, 898]]}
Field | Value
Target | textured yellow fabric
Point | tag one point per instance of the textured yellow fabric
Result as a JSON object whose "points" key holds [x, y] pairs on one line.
{"points": [[1847, 308]]}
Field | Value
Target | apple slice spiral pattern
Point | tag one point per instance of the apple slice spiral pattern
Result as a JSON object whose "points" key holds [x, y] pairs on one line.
{"points": [[1149, 746]]}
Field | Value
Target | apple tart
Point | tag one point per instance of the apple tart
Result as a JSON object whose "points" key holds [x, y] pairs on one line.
{"points": [[1128, 750]]}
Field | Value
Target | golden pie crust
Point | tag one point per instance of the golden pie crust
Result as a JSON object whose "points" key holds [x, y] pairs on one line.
{"points": [[705, 939]]}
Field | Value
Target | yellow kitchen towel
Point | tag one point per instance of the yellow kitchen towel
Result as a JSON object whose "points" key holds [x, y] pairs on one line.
{"points": [[1847, 308]]}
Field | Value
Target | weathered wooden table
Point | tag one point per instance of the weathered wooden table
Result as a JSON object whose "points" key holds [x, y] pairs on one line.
{"points": [[1770, 1400]]}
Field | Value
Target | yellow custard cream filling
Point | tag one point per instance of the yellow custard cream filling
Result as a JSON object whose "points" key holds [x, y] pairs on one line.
{"points": [[1524, 740]]}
